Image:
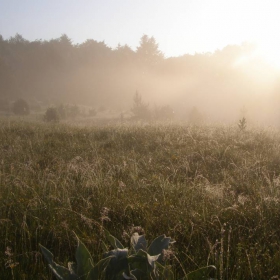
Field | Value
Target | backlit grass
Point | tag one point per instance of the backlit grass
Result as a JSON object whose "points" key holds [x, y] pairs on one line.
{"points": [[215, 190]]}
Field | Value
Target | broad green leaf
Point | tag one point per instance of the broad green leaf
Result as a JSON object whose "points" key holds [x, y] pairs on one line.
{"points": [[131, 276], [118, 262], [113, 241], [143, 261], [160, 243], [118, 253], [61, 272], [47, 254], [84, 260], [98, 269], [139, 274], [152, 260], [138, 242]]}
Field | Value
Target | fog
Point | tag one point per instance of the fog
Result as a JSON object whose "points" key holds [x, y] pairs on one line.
{"points": [[222, 86]]}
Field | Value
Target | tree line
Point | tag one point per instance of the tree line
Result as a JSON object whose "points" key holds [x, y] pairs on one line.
{"points": [[56, 71], [59, 69]]}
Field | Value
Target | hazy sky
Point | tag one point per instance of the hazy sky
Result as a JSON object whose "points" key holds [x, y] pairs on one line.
{"points": [[179, 26]]}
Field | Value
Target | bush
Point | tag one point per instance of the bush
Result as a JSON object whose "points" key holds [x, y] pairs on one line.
{"points": [[51, 115], [21, 107]]}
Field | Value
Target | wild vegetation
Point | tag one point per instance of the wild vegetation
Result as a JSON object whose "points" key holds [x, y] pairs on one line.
{"points": [[139, 262], [215, 190]]}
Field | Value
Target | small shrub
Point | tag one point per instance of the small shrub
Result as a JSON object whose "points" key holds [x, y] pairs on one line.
{"points": [[51, 115], [242, 124]]}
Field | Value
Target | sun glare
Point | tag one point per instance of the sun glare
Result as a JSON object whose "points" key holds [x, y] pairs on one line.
{"points": [[270, 52]]}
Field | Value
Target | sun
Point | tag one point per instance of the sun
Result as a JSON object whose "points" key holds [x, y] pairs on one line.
{"points": [[255, 21], [261, 65], [269, 51]]}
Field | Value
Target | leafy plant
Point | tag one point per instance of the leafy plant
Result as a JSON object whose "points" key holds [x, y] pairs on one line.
{"points": [[83, 270], [138, 262]]}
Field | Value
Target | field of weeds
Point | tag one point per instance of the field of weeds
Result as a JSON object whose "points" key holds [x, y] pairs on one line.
{"points": [[215, 190]]}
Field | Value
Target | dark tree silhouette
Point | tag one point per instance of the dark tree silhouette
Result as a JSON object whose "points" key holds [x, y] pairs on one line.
{"points": [[51, 115], [148, 50], [91, 73]]}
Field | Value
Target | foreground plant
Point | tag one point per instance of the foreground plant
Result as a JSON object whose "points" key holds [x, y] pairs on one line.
{"points": [[138, 262], [84, 269]]}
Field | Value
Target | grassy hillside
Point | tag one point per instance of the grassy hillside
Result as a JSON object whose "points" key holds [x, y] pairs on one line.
{"points": [[215, 190]]}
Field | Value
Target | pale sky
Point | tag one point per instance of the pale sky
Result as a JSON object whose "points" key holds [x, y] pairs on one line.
{"points": [[179, 26]]}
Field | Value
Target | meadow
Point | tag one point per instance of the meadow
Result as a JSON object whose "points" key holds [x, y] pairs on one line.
{"points": [[213, 189]]}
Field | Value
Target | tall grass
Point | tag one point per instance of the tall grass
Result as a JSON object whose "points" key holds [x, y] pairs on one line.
{"points": [[215, 190]]}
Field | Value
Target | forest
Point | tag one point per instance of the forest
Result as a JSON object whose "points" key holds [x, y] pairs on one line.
{"points": [[219, 84]]}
